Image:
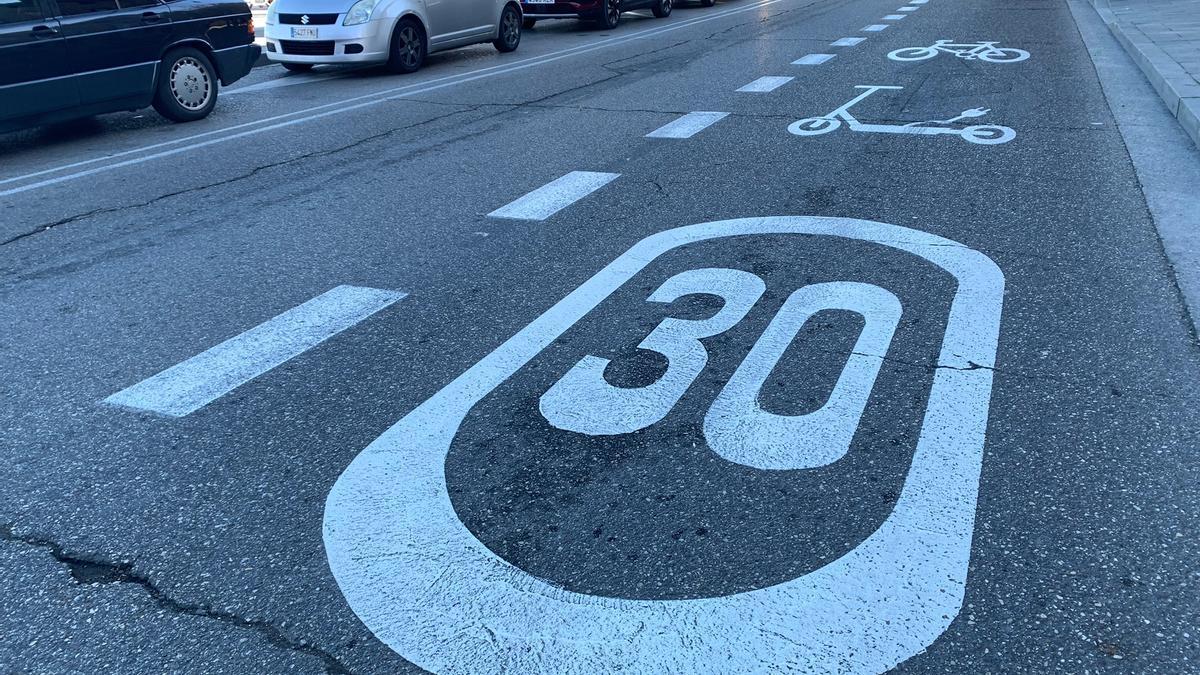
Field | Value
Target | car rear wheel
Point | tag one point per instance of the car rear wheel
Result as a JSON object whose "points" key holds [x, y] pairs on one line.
{"points": [[528, 23], [610, 16], [187, 86], [510, 30], [662, 9], [408, 47], [298, 67]]}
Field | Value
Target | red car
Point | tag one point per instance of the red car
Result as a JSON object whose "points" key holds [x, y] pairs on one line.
{"points": [[606, 13]]}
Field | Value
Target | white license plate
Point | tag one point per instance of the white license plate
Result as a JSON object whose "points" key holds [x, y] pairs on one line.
{"points": [[310, 33], [538, 2]]}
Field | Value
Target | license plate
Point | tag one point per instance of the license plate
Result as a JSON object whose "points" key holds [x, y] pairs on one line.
{"points": [[304, 33], [538, 2]]}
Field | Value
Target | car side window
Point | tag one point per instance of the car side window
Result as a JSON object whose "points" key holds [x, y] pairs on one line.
{"points": [[76, 7], [19, 11]]}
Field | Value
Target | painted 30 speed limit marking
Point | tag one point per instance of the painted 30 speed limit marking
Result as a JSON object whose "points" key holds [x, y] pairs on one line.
{"points": [[422, 583]]}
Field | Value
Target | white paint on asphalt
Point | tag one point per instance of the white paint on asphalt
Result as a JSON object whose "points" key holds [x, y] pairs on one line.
{"points": [[918, 2], [893, 17], [983, 134], [982, 51], [194, 142], [687, 126], [290, 81], [426, 587], [740, 430], [765, 84], [907, 9], [812, 59], [874, 28], [584, 402], [194, 383], [847, 42], [554, 196]]}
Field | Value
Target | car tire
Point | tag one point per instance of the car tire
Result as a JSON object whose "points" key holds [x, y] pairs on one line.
{"points": [[298, 67], [708, 3], [610, 15], [528, 23], [187, 85], [408, 48], [510, 30], [662, 9]]}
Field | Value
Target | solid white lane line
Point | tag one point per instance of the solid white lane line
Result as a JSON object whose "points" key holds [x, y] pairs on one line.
{"points": [[188, 386], [290, 81], [812, 59], [874, 28], [364, 100], [847, 42], [765, 84], [893, 17], [554, 196], [687, 126]]}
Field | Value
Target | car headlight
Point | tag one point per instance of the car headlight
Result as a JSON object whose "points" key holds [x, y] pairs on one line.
{"points": [[272, 14], [360, 12]]}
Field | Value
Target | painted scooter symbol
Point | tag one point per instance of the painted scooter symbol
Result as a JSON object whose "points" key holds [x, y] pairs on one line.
{"points": [[984, 134], [983, 51]]}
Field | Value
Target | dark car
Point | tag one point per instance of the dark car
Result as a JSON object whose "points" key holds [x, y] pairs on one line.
{"points": [[606, 13], [61, 59]]}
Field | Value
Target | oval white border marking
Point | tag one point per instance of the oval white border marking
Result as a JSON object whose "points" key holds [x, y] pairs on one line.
{"points": [[431, 591]]}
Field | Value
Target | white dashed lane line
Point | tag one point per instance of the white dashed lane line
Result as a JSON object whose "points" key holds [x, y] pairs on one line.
{"points": [[874, 28], [893, 17], [812, 59], [554, 196], [907, 9], [765, 84], [687, 126], [188, 386], [847, 42]]}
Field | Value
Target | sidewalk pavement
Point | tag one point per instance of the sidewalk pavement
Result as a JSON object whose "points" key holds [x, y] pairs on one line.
{"points": [[1163, 37]]}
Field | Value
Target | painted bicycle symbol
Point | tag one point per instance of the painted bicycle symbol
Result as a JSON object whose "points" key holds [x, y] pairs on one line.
{"points": [[982, 51], [983, 134]]}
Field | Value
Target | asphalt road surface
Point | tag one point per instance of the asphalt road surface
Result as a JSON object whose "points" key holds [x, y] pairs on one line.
{"points": [[521, 365]]}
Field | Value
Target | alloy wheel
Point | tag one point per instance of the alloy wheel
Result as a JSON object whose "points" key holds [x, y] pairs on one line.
{"points": [[190, 83], [410, 46], [511, 28]]}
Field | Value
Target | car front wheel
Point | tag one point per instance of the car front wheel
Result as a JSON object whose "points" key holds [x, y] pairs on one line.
{"points": [[408, 47], [186, 90], [662, 9], [510, 30], [610, 16], [528, 23]]}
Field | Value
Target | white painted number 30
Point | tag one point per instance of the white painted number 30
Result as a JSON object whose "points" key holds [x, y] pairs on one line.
{"points": [[428, 589]]}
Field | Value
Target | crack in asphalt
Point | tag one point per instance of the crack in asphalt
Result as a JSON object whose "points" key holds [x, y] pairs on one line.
{"points": [[89, 571], [44, 227]]}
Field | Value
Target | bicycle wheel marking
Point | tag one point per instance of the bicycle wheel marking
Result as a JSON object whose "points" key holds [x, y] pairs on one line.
{"points": [[431, 591]]}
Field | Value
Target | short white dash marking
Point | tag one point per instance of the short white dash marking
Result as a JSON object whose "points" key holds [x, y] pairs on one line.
{"points": [[768, 83], [687, 126], [554, 196], [907, 9], [812, 59], [874, 28], [918, 2], [847, 42], [893, 17], [188, 386]]}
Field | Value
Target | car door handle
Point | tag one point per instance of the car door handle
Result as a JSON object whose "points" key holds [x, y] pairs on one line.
{"points": [[151, 17], [44, 31]]}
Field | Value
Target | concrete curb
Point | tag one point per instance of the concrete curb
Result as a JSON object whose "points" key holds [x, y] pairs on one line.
{"points": [[1178, 90]]}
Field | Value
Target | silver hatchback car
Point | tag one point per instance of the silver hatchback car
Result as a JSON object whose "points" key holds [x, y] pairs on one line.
{"points": [[400, 33]]}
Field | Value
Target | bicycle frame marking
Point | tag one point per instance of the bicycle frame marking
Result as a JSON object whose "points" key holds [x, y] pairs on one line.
{"points": [[987, 52], [983, 134]]}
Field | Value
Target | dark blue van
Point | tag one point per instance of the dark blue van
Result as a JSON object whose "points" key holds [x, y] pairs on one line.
{"points": [[61, 59]]}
